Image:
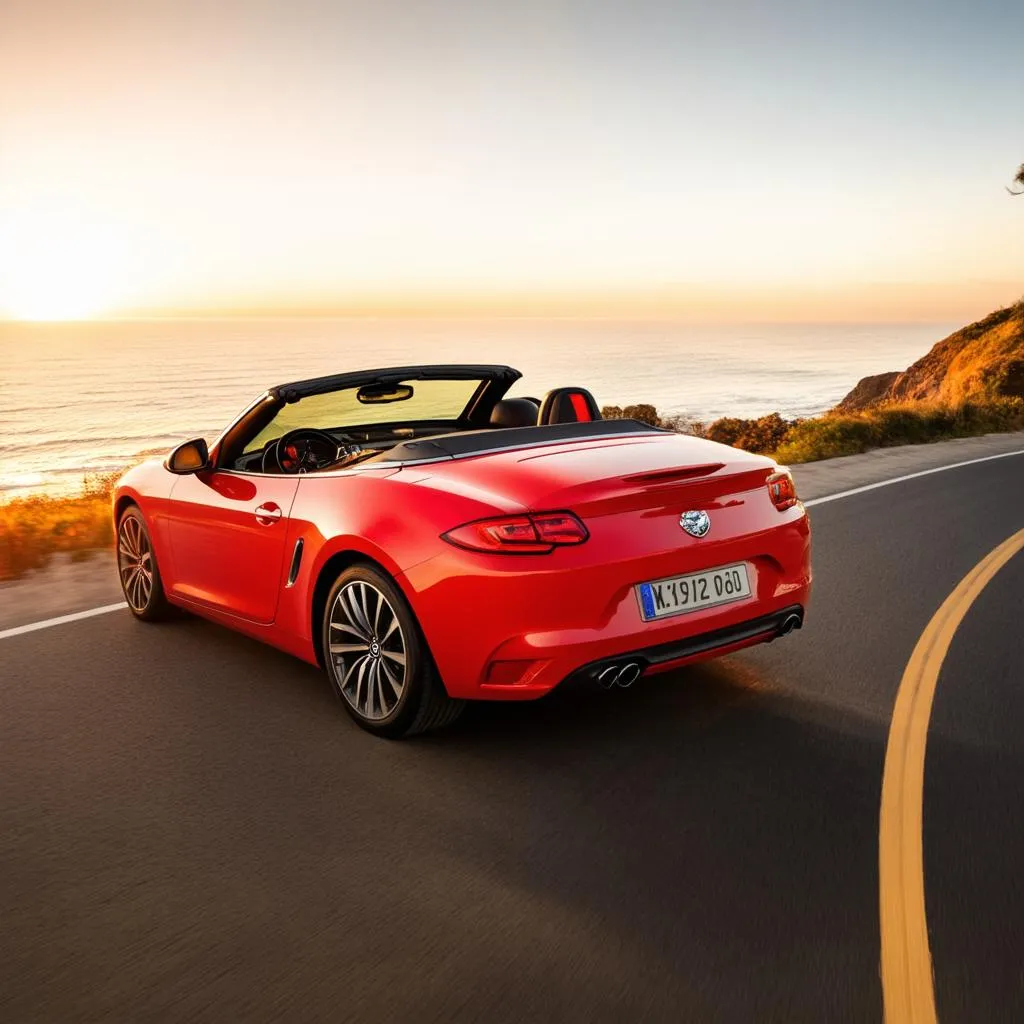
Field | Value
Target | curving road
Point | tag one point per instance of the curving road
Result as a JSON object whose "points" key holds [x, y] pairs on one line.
{"points": [[190, 828]]}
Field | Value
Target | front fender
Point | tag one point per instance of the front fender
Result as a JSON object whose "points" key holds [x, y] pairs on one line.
{"points": [[149, 486]]}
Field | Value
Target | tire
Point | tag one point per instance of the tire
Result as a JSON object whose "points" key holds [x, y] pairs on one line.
{"points": [[377, 660], [137, 569]]}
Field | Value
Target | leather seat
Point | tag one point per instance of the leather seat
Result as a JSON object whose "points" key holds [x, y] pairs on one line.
{"points": [[568, 405], [514, 412]]}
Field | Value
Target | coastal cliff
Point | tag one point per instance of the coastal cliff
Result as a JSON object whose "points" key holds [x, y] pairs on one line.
{"points": [[980, 362]]}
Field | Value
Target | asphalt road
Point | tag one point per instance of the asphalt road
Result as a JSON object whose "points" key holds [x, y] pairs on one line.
{"points": [[192, 830]]}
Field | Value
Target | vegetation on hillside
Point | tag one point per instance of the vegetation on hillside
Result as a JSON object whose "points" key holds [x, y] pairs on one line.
{"points": [[35, 527], [839, 433], [835, 433], [981, 362]]}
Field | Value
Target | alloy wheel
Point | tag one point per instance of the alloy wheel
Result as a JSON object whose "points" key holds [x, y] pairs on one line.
{"points": [[135, 563], [367, 650]]}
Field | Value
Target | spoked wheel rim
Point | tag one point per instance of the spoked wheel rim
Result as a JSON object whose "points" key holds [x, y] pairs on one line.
{"points": [[367, 649], [135, 563]]}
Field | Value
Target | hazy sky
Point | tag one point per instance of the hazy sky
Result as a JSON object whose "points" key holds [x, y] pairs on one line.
{"points": [[807, 160]]}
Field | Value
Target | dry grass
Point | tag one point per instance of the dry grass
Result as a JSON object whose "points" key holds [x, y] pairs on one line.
{"points": [[33, 528], [979, 363], [835, 434]]}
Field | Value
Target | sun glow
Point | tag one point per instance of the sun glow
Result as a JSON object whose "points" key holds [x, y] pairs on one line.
{"points": [[58, 267]]}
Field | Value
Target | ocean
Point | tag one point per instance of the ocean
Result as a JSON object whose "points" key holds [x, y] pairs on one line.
{"points": [[89, 397]]}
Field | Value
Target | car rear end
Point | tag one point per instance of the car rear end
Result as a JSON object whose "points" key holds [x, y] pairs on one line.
{"points": [[593, 568]]}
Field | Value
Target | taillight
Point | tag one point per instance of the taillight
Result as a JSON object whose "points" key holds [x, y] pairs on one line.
{"points": [[782, 490], [533, 534]]}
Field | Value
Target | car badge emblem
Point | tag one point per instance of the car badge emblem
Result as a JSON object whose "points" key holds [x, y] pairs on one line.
{"points": [[696, 524]]}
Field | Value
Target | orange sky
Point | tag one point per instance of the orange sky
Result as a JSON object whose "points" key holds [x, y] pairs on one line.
{"points": [[622, 159]]}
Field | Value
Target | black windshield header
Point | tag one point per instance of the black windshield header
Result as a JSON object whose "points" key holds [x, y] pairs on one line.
{"points": [[505, 376]]}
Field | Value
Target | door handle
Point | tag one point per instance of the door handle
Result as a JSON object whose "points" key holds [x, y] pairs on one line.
{"points": [[268, 514]]}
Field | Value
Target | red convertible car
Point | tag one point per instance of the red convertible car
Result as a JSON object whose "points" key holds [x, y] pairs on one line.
{"points": [[428, 540]]}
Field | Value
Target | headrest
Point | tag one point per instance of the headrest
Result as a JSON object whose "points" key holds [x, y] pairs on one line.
{"points": [[568, 405], [514, 412]]}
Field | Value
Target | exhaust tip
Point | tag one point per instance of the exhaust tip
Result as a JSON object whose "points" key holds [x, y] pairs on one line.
{"points": [[789, 623], [623, 674], [628, 674]]}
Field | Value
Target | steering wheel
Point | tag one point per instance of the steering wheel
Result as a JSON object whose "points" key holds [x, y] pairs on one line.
{"points": [[304, 449]]}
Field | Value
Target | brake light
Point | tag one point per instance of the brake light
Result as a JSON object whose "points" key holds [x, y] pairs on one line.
{"points": [[782, 490], [533, 534]]}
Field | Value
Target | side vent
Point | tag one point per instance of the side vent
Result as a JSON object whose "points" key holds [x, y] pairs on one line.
{"points": [[293, 572]]}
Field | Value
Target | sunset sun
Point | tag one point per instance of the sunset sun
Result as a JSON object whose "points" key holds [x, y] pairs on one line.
{"points": [[54, 267]]}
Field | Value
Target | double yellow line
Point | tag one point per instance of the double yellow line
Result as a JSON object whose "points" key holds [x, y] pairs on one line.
{"points": [[908, 989]]}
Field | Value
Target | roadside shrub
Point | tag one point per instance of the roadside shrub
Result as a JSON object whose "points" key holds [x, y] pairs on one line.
{"points": [[682, 425], [760, 435], [647, 413], [33, 528], [828, 437], [836, 434], [643, 412], [997, 414]]}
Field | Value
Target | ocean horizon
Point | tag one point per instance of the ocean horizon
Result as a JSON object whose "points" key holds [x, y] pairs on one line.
{"points": [[83, 398]]}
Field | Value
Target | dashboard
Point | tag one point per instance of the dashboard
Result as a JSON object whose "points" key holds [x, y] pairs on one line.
{"points": [[311, 450]]}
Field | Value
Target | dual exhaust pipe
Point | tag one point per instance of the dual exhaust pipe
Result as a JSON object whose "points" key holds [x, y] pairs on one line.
{"points": [[623, 674], [626, 673]]}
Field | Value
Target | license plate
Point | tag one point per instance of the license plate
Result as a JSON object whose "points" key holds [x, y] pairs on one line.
{"points": [[679, 594]]}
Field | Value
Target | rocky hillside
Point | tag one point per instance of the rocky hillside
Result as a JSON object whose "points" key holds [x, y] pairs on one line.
{"points": [[984, 360]]}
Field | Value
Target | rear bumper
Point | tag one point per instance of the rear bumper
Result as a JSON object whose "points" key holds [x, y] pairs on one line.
{"points": [[518, 631], [536, 677]]}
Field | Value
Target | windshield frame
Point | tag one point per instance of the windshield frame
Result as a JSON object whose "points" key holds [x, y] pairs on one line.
{"points": [[494, 382]]}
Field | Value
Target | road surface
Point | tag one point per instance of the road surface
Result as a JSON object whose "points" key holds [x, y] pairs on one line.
{"points": [[192, 830]]}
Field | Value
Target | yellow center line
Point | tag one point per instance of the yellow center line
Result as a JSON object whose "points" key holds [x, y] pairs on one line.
{"points": [[908, 990]]}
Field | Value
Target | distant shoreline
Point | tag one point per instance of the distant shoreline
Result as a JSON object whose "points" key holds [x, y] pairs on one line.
{"points": [[87, 397]]}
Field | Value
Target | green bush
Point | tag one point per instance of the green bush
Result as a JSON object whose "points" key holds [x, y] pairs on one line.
{"points": [[644, 413], [836, 434], [828, 437], [760, 435]]}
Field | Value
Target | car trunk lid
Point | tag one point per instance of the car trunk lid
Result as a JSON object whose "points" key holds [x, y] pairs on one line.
{"points": [[604, 477]]}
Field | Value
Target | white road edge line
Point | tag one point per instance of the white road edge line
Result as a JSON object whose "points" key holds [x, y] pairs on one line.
{"points": [[909, 476], [75, 616], [61, 619]]}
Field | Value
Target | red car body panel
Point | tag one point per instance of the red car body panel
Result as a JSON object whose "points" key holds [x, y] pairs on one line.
{"points": [[497, 625]]}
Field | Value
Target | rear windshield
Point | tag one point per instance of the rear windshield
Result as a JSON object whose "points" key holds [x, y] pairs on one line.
{"points": [[431, 401]]}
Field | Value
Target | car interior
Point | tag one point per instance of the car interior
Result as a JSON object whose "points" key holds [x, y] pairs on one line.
{"points": [[308, 449]]}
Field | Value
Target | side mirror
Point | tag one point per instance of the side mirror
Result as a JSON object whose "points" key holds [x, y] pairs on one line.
{"points": [[190, 457]]}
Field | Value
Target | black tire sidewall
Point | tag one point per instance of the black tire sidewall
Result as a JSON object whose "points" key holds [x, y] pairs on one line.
{"points": [[418, 663]]}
